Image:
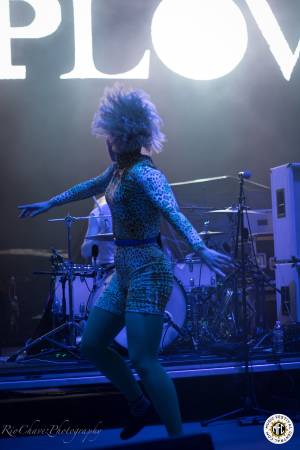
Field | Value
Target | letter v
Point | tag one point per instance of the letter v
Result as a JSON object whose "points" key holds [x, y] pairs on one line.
{"points": [[274, 36]]}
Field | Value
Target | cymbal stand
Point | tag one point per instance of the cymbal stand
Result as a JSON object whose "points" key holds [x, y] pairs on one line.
{"points": [[249, 403], [69, 325]]}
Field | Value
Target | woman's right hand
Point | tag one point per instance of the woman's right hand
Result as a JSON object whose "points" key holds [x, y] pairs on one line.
{"points": [[217, 261], [33, 209]]}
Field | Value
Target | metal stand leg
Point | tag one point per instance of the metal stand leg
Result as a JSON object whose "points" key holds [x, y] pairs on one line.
{"points": [[249, 404], [70, 325]]}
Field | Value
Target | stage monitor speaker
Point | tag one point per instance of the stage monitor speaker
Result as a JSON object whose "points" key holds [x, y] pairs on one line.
{"points": [[288, 300], [285, 185], [201, 441]]}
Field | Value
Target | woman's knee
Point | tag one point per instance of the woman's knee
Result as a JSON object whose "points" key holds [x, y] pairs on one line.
{"points": [[143, 365], [86, 348], [90, 350]]}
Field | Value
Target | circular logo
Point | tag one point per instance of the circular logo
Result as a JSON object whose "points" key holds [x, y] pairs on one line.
{"points": [[278, 428]]}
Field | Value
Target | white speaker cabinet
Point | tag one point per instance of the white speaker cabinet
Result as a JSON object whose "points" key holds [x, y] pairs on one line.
{"points": [[288, 302], [285, 185]]}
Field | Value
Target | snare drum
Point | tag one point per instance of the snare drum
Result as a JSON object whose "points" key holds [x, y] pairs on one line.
{"points": [[193, 273]]}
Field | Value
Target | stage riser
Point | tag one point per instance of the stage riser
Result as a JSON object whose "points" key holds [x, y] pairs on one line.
{"points": [[200, 398]]}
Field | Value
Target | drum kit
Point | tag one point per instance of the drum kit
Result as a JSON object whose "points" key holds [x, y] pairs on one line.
{"points": [[203, 308]]}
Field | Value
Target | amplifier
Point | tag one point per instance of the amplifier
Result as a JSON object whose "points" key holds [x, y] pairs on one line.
{"points": [[288, 299], [285, 185], [264, 251]]}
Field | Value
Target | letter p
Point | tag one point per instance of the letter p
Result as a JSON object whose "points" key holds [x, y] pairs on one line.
{"points": [[46, 21]]}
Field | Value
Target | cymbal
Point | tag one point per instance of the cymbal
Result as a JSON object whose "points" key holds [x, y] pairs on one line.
{"points": [[77, 218], [223, 177], [200, 180], [199, 208], [234, 210], [44, 253], [102, 237], [210, 233]]}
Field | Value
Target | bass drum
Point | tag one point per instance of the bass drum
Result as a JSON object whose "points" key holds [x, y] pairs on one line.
{"points": [[176, 310]]}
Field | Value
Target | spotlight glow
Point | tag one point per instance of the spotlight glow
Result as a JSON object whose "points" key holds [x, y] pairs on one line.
{"points": [[199, 39]]}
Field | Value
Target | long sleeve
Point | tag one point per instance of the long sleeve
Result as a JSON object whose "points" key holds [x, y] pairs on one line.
{"points": [[88, 188], [157, 189]]}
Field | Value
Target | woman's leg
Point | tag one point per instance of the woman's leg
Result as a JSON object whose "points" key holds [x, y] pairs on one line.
{"points": [[102, 327], [144, 334]]}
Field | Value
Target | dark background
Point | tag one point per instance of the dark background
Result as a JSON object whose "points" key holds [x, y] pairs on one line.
{"points": [[247, 119]]}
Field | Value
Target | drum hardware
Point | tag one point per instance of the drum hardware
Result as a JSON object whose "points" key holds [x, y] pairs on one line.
{"points": [[88, 284], [201, 286], [249, 403], [86, 280], [201, 319], [69, 326], [87, 291], [168, 318], [205, 304], [263, 282]]}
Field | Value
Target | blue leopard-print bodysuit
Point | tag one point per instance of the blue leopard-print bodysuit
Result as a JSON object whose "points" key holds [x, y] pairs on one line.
{"points": [[137, 194]]}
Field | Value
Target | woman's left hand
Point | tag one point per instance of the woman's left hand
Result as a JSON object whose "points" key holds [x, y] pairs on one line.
{"points": [[216, 261]]}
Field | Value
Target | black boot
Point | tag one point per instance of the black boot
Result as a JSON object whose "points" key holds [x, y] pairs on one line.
{"points": [[137, 418]]}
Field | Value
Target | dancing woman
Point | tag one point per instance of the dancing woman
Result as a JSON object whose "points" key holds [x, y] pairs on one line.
{"points": [[137, 193]]}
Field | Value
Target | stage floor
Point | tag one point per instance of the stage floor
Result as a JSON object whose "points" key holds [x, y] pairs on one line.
{"points": [[226, 435], [52, 390]]}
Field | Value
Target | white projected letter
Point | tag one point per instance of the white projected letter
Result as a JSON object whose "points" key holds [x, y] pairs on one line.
{"points": [[274, 36], [199, 39], [46, 21], [84, 62]]}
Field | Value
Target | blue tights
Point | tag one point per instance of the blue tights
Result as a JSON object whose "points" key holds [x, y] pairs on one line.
{"points": [[143, 334]]}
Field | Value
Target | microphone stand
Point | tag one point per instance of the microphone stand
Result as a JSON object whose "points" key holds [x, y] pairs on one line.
{"points": [[249, 403]]}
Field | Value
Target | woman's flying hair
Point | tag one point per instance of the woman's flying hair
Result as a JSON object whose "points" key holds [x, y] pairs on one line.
{"points": [[130, 119]]}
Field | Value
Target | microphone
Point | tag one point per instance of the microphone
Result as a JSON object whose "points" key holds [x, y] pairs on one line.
{"points": [[246, 174]]}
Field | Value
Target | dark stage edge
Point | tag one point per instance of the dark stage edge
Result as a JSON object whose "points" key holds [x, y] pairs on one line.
{"points": [[207, 386], [45, 373], [225, 436]]}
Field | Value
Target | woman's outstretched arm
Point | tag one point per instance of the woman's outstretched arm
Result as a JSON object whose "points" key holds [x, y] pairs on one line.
{"points": [[80, 191], [158, 190], [85, 189]]}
